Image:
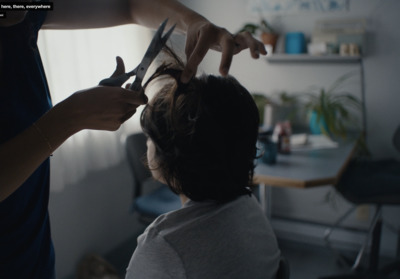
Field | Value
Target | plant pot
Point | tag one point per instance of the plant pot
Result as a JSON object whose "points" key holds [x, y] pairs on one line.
{"points": [[269, 39], [317, 125]]}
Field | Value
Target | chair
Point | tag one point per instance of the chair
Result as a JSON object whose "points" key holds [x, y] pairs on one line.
{"points": [[375, 182], [151, 198]]}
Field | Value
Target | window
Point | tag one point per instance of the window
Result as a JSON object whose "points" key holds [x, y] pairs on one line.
{"points": [[79, 59]]}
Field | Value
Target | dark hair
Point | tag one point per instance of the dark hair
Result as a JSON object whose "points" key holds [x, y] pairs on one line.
{"points": [[204, 133]]}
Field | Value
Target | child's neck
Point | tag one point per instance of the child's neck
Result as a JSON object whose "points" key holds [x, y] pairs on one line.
{"points": [[183, 198]]}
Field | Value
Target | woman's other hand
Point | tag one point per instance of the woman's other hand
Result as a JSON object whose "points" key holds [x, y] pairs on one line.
{"points": [[202, 35]]}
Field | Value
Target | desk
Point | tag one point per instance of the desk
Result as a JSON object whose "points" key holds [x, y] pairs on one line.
{"points": [[302, 169]]}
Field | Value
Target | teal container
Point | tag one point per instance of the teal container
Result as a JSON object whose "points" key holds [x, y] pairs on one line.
{"points": [[315, 124], [295, 43]]}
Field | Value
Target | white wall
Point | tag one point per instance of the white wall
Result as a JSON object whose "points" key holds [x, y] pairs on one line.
{"points": [[92, 216]]}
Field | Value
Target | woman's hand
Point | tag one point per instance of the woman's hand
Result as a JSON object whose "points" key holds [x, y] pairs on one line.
{"points": [[102, 107], [203, 35]]}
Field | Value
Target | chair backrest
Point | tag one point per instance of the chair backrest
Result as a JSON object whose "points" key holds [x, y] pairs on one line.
{"points": [[136, 151]]}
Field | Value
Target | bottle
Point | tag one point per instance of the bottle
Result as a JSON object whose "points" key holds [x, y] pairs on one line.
{"points": [[284, 138]]}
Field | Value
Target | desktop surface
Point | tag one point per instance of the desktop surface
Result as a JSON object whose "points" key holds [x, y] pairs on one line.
{"points": [[305, 168]]}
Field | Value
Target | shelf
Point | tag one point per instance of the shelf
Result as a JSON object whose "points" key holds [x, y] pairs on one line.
{"points": [[305, 58]]}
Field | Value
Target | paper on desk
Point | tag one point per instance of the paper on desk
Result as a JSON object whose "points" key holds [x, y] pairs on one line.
{"points": [[315, 142]]}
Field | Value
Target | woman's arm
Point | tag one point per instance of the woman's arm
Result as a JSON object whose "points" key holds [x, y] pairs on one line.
{"points": [[99, 108]]}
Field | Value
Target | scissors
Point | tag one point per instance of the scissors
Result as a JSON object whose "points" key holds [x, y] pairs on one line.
{"points": [[157, 43]]}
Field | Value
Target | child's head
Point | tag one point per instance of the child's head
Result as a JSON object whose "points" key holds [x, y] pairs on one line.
{"points": [[204, 135]]}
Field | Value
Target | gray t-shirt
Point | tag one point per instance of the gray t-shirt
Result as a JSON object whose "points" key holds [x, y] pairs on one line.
{"points": [[208, 240]]}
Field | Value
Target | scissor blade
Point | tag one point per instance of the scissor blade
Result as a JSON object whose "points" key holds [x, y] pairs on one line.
{"points": [[168, 34], [157, 43]]}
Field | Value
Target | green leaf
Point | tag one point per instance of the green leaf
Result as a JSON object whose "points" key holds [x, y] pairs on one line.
{"points": [[335, 105]]}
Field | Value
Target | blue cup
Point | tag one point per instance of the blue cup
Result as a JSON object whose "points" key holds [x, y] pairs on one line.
{"points": [[295, 43]]}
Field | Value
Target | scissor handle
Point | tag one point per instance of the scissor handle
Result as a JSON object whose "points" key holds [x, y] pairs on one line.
{"points": [[114, 81], [136, 85]]}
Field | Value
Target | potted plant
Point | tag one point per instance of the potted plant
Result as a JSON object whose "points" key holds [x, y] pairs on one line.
{"points": [[267, 34], [329, 109]]}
